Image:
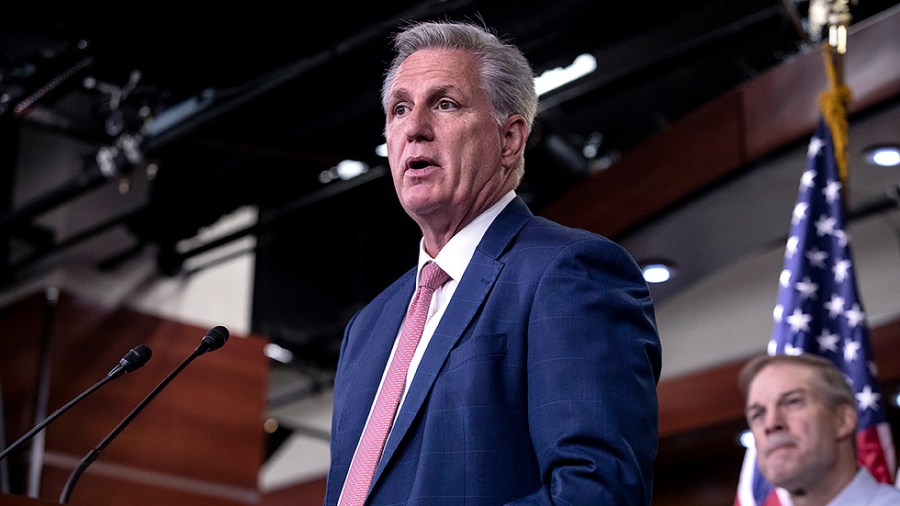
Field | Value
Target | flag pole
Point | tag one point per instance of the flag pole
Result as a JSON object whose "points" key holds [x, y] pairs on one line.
{"points": [[833, 101], [833, 104]]}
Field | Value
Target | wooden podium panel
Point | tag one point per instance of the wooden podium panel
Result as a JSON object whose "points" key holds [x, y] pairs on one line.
{"points": [[200, 441]]}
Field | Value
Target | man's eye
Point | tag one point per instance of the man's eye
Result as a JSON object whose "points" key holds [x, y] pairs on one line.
{"points": [[446, 105], [400, 110]]}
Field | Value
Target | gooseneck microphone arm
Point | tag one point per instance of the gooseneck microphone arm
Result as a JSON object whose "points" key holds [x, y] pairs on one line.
{"points": [[135, 358], [213, 340]]}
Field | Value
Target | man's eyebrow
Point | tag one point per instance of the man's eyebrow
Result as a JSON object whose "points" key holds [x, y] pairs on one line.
{"points": [[443, 89], [757, 405], [798, 390], [398, 93]]}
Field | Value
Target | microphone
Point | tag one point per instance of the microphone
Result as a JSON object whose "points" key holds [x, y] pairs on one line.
{"points": [[214, 339], [134, 359]]}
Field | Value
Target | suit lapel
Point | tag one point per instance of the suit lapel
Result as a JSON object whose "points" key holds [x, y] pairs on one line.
{"points": [[473, 289]]}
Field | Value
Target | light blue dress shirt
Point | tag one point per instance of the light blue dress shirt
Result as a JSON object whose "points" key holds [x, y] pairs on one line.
{"points": [[865, 491]]}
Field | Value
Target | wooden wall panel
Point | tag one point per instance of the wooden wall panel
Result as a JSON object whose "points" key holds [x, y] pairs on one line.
{"points": [[308, 493], [17, 500], [700, 149], [201, 437]]}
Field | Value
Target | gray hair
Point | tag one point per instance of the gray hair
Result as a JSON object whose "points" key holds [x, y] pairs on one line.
{"points": [[506, 76], [830, 381]]}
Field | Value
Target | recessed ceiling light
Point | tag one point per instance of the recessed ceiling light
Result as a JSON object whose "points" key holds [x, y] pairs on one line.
{"points": [[656, 272], [883, 156]]}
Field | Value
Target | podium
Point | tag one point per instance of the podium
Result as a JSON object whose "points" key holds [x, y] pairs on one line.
{"points": [[200, 441]]}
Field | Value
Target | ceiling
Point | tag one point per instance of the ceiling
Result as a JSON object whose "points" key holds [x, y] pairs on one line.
{"points": [[227, 110]]}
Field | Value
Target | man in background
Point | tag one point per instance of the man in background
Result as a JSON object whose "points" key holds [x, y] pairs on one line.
{"points": [[802, 413]]}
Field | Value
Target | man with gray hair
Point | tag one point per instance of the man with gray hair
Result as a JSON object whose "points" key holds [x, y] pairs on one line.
{"points": [[525, 368], [802, 413]]}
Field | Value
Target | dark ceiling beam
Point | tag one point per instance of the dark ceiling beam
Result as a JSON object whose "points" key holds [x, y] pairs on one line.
{"points": [[661, 47], [285, 75], [771, 112]]}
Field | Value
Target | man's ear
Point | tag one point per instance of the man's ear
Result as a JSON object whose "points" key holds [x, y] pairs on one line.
{"points": [[846, 419], [514, 135]]}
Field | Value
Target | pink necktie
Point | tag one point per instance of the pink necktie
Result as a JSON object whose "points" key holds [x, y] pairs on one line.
{"points": [[359, 478]]}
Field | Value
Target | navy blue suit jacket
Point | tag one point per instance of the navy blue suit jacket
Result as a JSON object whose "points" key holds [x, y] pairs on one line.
{"points": [[538, 386]]}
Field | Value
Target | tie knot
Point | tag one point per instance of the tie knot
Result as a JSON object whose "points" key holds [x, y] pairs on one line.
{"points": [[433, 276]]}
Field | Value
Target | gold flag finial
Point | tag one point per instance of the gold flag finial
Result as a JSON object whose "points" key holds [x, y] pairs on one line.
{"points": [[833, 102]]}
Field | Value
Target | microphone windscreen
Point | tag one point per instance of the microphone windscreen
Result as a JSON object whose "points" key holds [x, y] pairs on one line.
{"points": [[136, 357], [215, 338]]}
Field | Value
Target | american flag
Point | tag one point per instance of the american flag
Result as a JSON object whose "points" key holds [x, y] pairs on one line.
{"points": [[820, 311]]}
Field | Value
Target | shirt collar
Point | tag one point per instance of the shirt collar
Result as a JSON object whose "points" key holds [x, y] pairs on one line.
{"points": [[456, 254]]}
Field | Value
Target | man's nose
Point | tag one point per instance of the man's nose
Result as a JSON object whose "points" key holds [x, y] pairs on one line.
{"points": [[774, 421], [418, 125]]}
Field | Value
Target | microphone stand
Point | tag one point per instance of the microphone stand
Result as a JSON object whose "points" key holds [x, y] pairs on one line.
{"points": [[37, 428], [214, 339], [134, 359]]}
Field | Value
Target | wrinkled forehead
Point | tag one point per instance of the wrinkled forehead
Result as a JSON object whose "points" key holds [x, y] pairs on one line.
{"points": [[776, 380], [438, 65]]}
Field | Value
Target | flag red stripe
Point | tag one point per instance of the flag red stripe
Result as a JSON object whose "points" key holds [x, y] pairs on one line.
{"points": [[870, 453]]}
